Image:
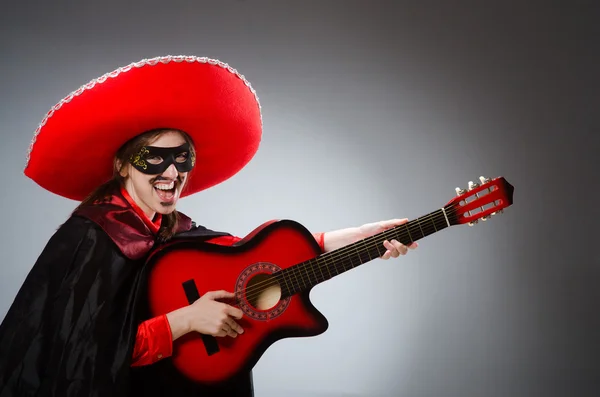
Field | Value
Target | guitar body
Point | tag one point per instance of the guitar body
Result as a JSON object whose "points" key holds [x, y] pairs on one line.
{"points": [[243, 269]]}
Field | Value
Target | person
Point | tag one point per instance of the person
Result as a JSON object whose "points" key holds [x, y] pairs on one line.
{"points": [[128, 146]]}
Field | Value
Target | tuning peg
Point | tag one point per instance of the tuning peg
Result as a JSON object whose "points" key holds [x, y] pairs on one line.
{"points": [[460, 191], [473, 223], [484, 180], [486, 217], [473, 185]]}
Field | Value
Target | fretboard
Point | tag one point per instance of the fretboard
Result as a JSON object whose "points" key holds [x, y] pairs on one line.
{"points": [[307, 274]]}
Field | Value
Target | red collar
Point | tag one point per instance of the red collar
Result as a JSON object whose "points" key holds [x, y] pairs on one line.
{"points": [[153, 226], [127, 225]]}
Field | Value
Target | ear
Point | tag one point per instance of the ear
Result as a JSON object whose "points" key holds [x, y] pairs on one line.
{"points": [[121, 169]]}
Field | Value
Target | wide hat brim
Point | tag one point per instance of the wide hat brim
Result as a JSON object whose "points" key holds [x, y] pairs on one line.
{"points": [[74, 146]]}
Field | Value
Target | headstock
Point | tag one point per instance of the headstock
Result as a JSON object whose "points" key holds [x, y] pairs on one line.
{"points": [[480, 201]]}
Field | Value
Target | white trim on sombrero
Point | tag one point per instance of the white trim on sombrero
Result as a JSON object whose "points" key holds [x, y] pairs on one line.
{"points": [[144, 62]]}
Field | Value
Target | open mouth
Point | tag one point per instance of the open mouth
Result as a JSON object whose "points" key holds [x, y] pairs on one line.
{"points": [[165, 191]]}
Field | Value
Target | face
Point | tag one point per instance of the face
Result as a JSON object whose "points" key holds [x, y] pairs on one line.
{"points": [[158, 173]]}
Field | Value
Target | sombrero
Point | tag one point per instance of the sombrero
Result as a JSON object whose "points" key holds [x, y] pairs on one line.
{"points": [[73, 148]]}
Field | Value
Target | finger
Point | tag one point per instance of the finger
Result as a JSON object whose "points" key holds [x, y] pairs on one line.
{"points": [[230, 331], [221, 294], [413, 246], [235, 326], [227, 331], [388, 253], [233, 312], [392, 249], [400, 247], [220, 333], [392, 222]]}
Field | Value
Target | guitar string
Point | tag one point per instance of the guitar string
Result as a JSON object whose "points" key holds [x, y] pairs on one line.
{"points": [[333, 257]]}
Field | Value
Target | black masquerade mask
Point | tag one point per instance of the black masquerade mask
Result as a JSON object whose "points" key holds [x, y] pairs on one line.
{"points": [[155, 160]]}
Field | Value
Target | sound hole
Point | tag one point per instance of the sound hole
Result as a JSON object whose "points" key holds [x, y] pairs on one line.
{"points": [[263, 291]]}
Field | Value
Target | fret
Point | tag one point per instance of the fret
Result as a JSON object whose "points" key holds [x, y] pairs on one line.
{"points": [[352, 262], [367, 250], [313, 270], [441, 221], [433, 223], [284, 275], [320, 269], [334, 266], [284, 280], [327, 267], [355, 259], [420, 228], [339, 266], [380, 248], [298, 279], [299, 273], [357, 253], [305, 267], [308, 270], [408, 231], [289, 274]]}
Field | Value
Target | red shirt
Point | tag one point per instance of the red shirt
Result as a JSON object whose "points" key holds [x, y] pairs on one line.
{"points": [[154, 340]]}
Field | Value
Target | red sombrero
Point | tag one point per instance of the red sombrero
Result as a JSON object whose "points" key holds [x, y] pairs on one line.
{"points": [[74, 146]]}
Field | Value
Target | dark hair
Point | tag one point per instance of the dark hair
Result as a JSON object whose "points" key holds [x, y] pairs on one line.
{"points": [[104, 192]]}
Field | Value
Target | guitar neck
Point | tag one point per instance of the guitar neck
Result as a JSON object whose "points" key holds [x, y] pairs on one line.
{"points": [[308, 274]]}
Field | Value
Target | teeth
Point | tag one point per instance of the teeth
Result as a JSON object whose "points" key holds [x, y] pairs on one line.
{"points": [[163, 186]]}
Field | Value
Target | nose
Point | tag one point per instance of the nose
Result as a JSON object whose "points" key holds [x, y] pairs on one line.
{"points": [[170, 172]]}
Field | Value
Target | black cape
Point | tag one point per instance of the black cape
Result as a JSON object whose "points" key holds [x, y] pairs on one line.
{"points": [[72, 326]]}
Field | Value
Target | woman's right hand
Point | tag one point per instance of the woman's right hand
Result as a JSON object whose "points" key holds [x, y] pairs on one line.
{"points": [[207, 316], [210, 317]]}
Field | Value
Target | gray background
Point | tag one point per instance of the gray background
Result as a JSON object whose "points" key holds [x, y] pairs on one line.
{"points": [[372, 110]]}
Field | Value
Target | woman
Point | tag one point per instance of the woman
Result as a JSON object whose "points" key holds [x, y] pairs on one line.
{"points": [[80, 324]]}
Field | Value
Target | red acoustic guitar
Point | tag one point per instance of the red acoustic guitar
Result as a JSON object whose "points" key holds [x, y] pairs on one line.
{"points": [[272, 271]]}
